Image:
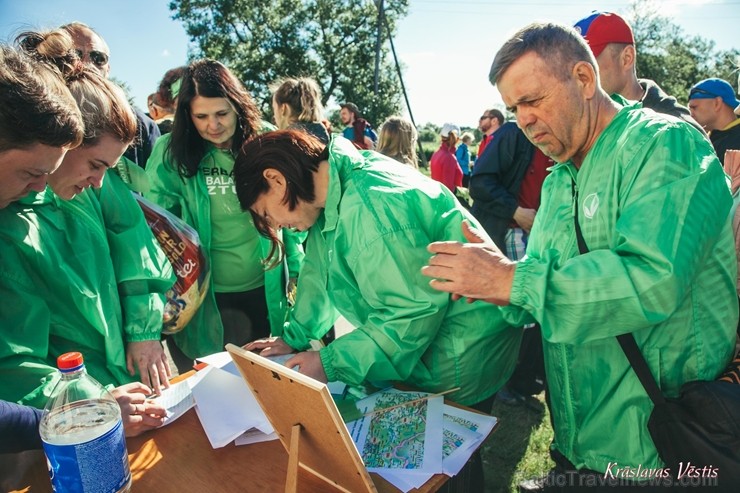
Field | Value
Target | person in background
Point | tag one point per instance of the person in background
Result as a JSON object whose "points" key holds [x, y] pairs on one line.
{"points": [[51, 125], [397, 140], [93, 51], [161, 112], [463, 156], [611, 40], [358, 131], [713, 104], [372, 218], [296, 103], [655, 258], [490, 121], [443, 164], [191, 174]]}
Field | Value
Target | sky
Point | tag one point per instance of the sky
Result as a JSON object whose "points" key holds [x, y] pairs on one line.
{"points": [[446, 46]]}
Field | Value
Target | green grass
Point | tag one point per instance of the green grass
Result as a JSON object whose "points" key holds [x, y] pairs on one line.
{"points": [[518, 449]]}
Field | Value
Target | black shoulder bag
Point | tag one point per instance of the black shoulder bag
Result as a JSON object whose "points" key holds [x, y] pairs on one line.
{"points": [[699, 428]]}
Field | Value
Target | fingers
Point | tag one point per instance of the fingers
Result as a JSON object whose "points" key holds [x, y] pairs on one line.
{"points": [[260, 343], [152, 408], [470, 234], [445, 286], [130, 363], [136, 424], [450, 247], [267, 351], [150, 421], [144, 374], [126, 390], [294, 361]]}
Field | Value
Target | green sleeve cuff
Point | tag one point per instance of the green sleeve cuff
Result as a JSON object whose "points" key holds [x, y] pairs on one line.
{"points": [[326, 361]]}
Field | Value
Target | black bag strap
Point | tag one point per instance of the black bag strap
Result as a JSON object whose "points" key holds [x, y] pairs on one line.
{"points": [[626, 341]]}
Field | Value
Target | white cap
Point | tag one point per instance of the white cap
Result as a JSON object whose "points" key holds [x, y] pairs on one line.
{"points": [[449, 127]]}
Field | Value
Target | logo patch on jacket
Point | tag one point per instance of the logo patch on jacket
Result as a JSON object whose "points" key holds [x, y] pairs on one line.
{"points": [[591, 205]]}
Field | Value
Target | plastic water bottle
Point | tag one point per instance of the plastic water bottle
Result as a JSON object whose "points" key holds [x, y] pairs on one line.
{"points": [[82, 434]]}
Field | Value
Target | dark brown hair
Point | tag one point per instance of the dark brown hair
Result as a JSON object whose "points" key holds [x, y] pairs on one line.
{"points": [[35, 104], [209, 79], [296, 155]]}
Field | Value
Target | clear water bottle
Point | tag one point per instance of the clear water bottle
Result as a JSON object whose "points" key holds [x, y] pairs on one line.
{"points": [[82, 433]]}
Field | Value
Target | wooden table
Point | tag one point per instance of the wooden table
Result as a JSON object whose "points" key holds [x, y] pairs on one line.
{"points": [[179, 458]]}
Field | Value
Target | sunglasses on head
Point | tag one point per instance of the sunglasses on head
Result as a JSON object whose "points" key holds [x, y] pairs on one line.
{"points": [[97, 57]]}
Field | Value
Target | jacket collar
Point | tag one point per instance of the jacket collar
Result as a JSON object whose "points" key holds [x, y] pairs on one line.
{"points": [[47, 196]]}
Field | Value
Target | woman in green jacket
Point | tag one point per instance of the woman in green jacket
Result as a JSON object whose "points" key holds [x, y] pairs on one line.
{"points": [[62, 287], [190, 171]]}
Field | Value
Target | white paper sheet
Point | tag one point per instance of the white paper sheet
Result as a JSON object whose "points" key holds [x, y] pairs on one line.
{"points": [[464, 432], [178, 399], [226, 407], [254, 436]]}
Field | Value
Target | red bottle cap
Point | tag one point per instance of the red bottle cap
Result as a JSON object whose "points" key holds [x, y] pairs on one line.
{"points": [[70, 361]]}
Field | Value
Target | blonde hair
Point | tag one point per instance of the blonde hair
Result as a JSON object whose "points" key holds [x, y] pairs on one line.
{"points": [[451, 140], [104, 107], [467, 137], [397, 140], [303, 97]]}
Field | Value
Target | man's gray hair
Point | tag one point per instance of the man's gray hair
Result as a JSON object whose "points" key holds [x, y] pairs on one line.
{"points": [[560, 46]]}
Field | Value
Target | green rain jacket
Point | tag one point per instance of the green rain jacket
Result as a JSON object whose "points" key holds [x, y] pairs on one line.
{"points": [[653, 208], [70, 281], [364, 257], [188, 199]]}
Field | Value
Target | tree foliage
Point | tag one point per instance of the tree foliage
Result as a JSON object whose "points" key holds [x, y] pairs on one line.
{"points": [[332, 41], [676, 61]]}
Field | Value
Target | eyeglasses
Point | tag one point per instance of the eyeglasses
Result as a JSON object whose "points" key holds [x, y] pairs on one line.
{"points": [[696, 90], [97, 57], [485, 117]]}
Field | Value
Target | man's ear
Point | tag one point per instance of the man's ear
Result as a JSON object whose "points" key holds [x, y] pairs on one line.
{"points": [[275, 179], [585, 75], [627, 58]]}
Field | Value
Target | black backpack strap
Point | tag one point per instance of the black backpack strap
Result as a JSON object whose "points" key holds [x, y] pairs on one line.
{"points": [[626, 341], [639, 365]]}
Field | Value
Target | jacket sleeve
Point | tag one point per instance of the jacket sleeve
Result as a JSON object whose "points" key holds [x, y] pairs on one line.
{"points": [[164, 180], [26, 375], [313, 314], [142, 270], [405, 315], [19, 427], [487, 183], [673, 208]]}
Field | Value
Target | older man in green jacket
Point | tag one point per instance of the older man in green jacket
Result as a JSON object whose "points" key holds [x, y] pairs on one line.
{"points": [[652, 203]]}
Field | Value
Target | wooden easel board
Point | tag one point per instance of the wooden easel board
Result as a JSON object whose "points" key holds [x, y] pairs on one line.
{"points": [[289, 398]]}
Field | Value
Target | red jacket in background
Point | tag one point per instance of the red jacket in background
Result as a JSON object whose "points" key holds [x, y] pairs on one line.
{"points": [[445, 168]]}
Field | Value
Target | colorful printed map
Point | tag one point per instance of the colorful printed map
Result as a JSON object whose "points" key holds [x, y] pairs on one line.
{"points": [[396, 437]]}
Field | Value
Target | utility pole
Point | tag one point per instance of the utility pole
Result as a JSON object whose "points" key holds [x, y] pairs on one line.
{"points": [[378, 45]]}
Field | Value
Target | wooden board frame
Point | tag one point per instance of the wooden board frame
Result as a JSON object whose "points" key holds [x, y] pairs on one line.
{"points": [[303, 412]]}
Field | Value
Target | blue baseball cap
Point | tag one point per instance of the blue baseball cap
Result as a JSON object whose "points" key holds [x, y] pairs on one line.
{"points": [[715, 88]]}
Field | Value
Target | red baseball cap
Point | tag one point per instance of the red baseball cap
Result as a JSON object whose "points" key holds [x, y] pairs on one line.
{"points": [[601, 28]]}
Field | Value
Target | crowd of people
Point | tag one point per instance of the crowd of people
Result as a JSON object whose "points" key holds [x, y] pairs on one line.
{"points": [[601, 209]]}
